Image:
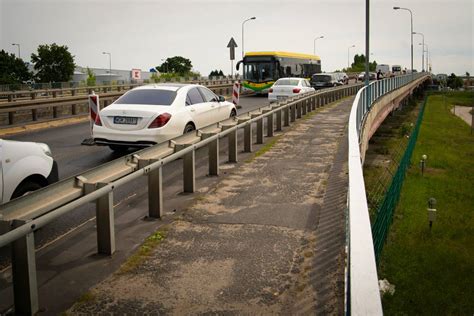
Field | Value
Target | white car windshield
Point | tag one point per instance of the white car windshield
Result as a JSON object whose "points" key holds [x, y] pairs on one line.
{"points": [[148, 96], [287, 82]]}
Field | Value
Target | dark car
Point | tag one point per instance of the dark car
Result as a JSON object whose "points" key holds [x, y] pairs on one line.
{"points": [[372, 76], [319, 81]]}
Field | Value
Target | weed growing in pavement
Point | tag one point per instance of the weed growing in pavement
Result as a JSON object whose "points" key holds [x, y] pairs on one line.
{"points": [[143, 252], [264, 149]]}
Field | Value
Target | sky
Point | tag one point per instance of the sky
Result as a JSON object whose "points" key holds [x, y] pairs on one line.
{"points": [[139, 33]]}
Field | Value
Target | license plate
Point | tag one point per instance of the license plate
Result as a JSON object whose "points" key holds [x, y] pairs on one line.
{"points": [[281, 97], [125, 120]]}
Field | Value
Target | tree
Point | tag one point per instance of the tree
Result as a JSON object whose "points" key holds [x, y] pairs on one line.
{"points": [[359, 64], [454, 82], [53, 63], [216, 73], [12, 69], [90, 77], [176, 64]]}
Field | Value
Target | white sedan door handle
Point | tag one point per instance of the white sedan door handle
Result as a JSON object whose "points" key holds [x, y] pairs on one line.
{"points": [[192, 110]]}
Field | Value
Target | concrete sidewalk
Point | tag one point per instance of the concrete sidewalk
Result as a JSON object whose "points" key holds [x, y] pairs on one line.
{"points": [[267, 239]]}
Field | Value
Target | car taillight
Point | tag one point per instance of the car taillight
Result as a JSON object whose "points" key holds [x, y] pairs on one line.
{"points": [[271, 90], [160, 120], [296, 90], [97, 120]]}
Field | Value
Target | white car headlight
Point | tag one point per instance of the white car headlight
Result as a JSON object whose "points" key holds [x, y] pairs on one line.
{"points": [[45, 149]]}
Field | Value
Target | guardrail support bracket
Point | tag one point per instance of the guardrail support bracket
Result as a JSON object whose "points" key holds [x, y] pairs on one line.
{"points": [[293, 112], [270, 125], [260, 131], [286, 116], [248, 138], [278, 120], [105, 222], [25, 286], [189, 176], [214, 158]]}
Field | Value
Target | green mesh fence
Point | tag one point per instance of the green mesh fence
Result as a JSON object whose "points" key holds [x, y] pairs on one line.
{"points": [[384, 214]]}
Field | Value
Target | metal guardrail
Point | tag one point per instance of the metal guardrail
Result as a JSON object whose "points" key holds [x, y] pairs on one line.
{"points": [[19, 218], [363, 296], [78, 101], [7, 89]]}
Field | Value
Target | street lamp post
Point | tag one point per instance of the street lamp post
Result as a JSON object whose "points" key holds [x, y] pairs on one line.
{"points": [[422, 51], [252, 18], [428, 58], [110, 63], [15, 44], [164, 61], [348, 60], [314, 47], [411, 33]]}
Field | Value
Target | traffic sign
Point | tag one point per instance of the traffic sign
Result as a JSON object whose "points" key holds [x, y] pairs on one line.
{"points": [[232, 45]]}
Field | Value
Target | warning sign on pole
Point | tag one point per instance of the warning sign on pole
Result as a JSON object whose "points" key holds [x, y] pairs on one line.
{"points": [[94, 108], [236, 94]]}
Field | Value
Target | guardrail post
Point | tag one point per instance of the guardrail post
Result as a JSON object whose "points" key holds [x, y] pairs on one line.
{"points": [[270, 125], [293, 112], [278, 120], [105, 222], [287, 116], [25, 286], [214, 158], [55, 111], [34, 114], [11, 118], [155, 188], [260, 131], [189, 172], [304, 106], [248, 138], [155, 193], [74, 109], [232, 143], [298, 109]]}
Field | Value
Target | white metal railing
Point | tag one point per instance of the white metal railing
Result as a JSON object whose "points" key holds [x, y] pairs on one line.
{"points": [[363, 296]]}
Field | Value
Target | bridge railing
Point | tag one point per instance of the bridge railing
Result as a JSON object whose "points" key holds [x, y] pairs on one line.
{"points": [[363, 295]]}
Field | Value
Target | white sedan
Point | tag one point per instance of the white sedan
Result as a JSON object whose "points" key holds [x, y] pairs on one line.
{"points": [[153, 114], [24, 167], [288, 87]]}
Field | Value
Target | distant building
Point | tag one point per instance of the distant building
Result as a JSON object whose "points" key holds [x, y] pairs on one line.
{"points": [[102, 75]]}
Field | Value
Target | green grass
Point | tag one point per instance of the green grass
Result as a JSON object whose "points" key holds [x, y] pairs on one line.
{"points": [[142, 253], [433, 271]]}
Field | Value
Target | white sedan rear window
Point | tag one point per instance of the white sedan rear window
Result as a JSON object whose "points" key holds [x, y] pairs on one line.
{"points": [[148, 96], [287, 82]]}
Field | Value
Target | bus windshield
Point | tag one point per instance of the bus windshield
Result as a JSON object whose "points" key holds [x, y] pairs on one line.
{"points": [[259, 71]]}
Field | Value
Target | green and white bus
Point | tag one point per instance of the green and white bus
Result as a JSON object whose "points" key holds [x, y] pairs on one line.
{"points": [[262, 69]]}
